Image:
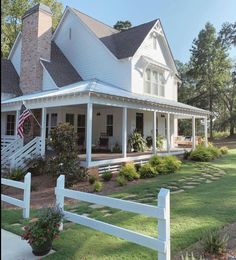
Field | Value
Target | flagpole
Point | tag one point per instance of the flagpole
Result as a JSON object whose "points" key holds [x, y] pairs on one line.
{"points": [[33, 116]]}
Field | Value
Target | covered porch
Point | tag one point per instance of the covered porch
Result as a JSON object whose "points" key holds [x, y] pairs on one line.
{"points": [[99, 113]]}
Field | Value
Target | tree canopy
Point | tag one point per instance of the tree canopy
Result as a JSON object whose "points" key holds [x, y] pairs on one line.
{"points": [[11, 14], [122, 25]]}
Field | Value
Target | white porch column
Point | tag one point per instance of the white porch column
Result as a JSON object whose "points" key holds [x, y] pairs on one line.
{"points": [[43, 131], [205, 131], [124, 132], [17, 121], [168, 132], [193, 132], [89, 132], [154, 143]]}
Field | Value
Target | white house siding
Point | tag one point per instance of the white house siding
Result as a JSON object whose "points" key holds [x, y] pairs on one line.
{"points": [[89, 56], [159, 55], [48, 82], [16, 57], [5, 96]]}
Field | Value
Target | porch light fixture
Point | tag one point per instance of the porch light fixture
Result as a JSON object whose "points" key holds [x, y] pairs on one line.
{"points": [[98, 114]]}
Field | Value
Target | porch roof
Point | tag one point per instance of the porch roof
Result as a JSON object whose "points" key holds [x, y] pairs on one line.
{"points": [[103, 89]]}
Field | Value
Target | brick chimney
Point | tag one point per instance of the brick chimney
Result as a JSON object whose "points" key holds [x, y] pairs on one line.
{"points": [[36, 44]]}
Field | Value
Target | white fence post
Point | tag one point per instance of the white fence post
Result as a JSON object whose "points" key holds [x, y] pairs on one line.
{"points": [[60, 195], [27, 182], [164, 224]]}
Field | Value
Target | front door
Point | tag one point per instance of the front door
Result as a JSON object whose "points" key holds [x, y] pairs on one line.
{"points": [[139, 123]]}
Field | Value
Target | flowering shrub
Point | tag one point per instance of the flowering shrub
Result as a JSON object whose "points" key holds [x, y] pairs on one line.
{"points": [[46, 228]]}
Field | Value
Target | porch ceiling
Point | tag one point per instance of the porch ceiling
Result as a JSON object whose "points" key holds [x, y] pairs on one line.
{"points": [[70, 95]]}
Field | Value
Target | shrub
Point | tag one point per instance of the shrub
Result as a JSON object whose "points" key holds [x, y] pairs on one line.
{"points": [[16, 175], [129, 172], [205, 154], [97, 186], [147, 171], [64, 143], [149, 141], [224, 150], [92, 179], [214, 243], [170, 164], [214, 151], [121, 180], [155, 161], [38, 166], [165, 165], [137, 166], [136, 142], [107, 176], [201, 154]]}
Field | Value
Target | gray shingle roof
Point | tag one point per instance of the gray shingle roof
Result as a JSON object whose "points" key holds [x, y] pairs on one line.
{"points": [[122, 44], [60, 69], [9, 78]]}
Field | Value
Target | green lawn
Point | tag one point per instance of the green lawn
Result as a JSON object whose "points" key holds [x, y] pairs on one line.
{"points": [[193, 211]]}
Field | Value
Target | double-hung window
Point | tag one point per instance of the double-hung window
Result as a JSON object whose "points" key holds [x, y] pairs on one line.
{"points": [[110, 125], [70, 118], [53, 120], [154, 82], [10, 124]]}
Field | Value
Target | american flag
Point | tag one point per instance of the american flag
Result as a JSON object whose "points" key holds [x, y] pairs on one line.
{"points": [[24, 114]]}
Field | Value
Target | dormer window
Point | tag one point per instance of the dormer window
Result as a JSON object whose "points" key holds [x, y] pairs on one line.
{"points": [[154, 82]]}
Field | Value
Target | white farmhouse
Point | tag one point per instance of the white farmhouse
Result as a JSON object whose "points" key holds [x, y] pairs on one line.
{"points": [[104, 82]]}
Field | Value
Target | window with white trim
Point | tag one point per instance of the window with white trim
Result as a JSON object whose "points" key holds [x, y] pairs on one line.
{"points": [[154, 82]]}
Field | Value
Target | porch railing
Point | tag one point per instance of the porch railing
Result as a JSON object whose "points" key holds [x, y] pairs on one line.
{"points": [[22, 157], [7, 139], [9, 150]]}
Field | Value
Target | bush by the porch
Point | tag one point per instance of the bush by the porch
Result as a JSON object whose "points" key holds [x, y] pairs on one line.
{"points": [[147, 171], [224, 149], [107, 176], [129, 172], [205, 154], [136, 143], [165, 165], [63, 141]]}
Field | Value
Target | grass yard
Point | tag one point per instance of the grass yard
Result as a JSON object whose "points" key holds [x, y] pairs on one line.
{"points": [[211, 202]]}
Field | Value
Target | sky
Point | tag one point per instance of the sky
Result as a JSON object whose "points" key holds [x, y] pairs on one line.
{"points": [[181, 19]]}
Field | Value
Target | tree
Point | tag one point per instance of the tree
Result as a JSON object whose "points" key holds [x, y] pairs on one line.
{"points": [[122, 25], [227, 35], [209, 67], [11, 14]]}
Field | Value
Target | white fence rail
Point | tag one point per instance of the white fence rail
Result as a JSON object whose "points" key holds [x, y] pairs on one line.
{"points": [[9, 150], [30, 151], [161, 212], [6, 140], [25, 203]]}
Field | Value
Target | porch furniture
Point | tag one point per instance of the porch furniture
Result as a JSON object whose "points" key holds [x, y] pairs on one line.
{"points": [[103, 141], [186, 141]]}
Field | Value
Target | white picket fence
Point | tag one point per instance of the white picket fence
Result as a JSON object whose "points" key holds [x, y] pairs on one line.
{"points": [[9, 150], [162, 212], [28, 152], [25, 203]]}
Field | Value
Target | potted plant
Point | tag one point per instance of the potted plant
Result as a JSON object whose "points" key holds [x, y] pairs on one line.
{"points": [[41, 233], [136, 143]]}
